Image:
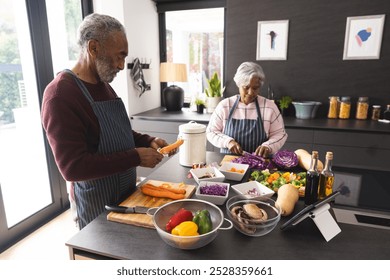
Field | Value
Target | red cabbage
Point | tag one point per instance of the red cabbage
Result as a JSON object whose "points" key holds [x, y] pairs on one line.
{"points": [[214, 189], [254, 161], [285, 159]]}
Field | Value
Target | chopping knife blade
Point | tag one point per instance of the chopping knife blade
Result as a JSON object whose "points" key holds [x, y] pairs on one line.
{"points": [[128, 210]]}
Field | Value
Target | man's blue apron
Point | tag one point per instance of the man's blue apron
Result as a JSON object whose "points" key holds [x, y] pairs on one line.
{"points": [[248, 133], [115, 135]]}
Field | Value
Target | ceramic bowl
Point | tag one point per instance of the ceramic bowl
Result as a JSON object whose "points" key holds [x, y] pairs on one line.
{"points": [[211, 174], [216, 199], [253, 188], [306, 109], [233, 171]]}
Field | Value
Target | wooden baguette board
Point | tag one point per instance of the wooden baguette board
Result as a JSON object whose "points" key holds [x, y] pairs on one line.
{"points": [[139, 199]]}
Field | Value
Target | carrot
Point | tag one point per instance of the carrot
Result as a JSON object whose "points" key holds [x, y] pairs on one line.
{"points": [[155, 192], [169, 148], [165, 187]]}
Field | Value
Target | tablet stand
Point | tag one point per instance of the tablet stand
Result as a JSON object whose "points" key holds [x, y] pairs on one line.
{"points": [[324, 221]]}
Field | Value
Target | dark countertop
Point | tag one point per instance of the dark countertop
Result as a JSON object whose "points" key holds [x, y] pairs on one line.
{"points": [[185, 115], [302, 242]]}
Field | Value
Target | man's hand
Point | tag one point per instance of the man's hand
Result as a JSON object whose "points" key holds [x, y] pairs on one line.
{"points": [[159, 143], [235, 148], [149, 157]]}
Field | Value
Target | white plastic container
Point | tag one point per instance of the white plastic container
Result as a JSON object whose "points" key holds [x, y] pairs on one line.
{"points": [[194, 148]]}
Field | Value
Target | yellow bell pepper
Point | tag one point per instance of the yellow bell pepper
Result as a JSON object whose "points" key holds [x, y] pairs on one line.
{"points": [[187, 228]]}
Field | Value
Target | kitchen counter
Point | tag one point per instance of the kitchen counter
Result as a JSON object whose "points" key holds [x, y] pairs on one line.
{"points": [[103, 239], [186, 115]]}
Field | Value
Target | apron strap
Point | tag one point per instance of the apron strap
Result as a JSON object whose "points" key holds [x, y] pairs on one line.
{"points": [[81, 85]]}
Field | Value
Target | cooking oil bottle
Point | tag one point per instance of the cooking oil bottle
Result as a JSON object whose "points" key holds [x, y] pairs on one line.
{"points": [[312, 180], [326, 177]]}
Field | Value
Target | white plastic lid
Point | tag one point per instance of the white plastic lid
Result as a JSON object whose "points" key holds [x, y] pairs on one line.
{"points": [[192, 127]]}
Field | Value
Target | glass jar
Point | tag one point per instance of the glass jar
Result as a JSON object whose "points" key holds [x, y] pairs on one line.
{"points": [[386, 113], [362, 108], [376, 112], [333, 107], [345, 107]]}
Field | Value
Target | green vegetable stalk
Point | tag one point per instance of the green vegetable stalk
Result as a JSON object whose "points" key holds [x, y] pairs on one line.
{"points": [[203, 220]]}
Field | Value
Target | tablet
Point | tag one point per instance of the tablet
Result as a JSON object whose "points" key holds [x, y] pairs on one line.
{"points": [[306, 211]]}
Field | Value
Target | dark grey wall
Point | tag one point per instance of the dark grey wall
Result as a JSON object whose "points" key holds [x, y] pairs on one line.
{"points": [[314, 68]]}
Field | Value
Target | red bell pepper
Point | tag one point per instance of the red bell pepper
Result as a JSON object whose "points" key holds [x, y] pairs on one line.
{"points": [[180, 216]]}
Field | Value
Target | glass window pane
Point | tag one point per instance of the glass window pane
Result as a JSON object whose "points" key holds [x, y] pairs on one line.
{"points": [[64, 17], [195, 37], [24, 178]]}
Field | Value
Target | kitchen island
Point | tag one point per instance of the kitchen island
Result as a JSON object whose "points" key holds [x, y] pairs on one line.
{"points": [[103, 239]]}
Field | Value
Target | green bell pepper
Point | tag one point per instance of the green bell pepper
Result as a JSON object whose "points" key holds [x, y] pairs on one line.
{"points": [[203, 220]]}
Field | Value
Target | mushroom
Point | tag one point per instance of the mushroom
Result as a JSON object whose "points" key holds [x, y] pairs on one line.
{"points": [[255, 213]]}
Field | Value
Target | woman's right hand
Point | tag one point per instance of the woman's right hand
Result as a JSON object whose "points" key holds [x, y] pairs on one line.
{"points": [[235, 148], [149, 157]]}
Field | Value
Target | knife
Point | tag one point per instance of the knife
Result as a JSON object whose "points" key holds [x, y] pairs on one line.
{"points": [[128, 210]]}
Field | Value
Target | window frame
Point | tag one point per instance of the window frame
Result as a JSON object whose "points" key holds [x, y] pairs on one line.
{"points": [[164, 6]]}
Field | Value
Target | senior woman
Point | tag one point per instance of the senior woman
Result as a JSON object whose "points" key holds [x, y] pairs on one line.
{"points": [[247, 122]]}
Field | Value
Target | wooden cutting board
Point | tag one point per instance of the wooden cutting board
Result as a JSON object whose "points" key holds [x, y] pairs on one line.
{"points": [[139, 199], [228, 158]]}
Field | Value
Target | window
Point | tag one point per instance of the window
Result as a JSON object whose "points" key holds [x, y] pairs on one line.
{"points": [[195, 37]]}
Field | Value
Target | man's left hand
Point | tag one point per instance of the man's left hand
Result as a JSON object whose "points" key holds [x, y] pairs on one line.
{"points": [[159, 143]]}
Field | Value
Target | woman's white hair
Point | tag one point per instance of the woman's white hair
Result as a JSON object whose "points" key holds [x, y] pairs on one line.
{"points": [[98, 27], [246, 71]]}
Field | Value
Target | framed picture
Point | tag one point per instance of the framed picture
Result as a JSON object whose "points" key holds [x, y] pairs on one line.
{"points": [[363, 37], [272, 37]]}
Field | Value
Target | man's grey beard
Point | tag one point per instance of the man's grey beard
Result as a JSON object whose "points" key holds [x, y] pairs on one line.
{"points": [[104, 70]]}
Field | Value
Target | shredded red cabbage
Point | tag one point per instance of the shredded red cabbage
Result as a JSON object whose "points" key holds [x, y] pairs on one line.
{"points": [[215, 189], [254, 161], [285, 159]]}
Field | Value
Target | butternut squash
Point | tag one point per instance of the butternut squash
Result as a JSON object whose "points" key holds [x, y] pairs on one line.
{"points": [[304, 160], [287, 198]]}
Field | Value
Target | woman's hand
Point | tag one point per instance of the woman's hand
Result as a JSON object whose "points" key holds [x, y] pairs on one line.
{"points": [[235, 148], [262, 151]]}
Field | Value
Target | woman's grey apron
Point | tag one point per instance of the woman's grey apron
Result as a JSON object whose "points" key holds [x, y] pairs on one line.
{"points": [[248, 133], [115, 135]]}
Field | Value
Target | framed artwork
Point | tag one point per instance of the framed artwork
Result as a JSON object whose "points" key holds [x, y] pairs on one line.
{"points": [[272, 38], [363, 37]]}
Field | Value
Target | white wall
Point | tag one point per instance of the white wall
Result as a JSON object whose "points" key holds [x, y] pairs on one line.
{"points": [[141, 22]]}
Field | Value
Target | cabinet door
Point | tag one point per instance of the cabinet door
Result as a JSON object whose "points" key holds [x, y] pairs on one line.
{"points": [[299, 139]]}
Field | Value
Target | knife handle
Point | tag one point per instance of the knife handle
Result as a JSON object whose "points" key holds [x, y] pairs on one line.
{"points": [[119, 209]]}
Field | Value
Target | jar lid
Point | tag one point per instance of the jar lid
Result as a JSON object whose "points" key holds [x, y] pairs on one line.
{"points": [[363, 99], [192, 127], [376, 106], [345, 98]]}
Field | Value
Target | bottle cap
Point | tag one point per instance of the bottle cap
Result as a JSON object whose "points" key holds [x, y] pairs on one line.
{"points": [[345, 98], [329, 155]]}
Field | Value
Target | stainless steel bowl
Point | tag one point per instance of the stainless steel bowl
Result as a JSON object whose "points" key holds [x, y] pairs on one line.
{"points": [[165, 212]]}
